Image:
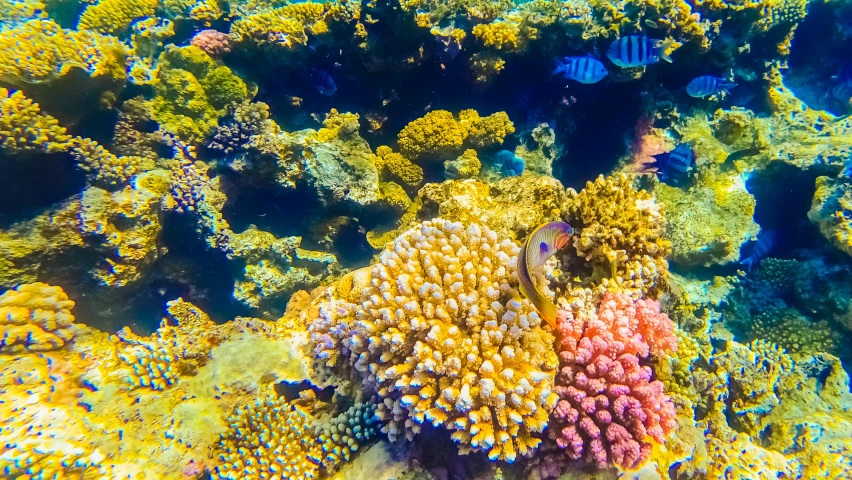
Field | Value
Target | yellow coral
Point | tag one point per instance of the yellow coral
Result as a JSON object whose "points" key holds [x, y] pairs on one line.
{"points": [[115, 16], [830, 210], [398, 166], [204, 11], [285, 26], [486, 131], [620, 231], [35, 317], [23, 128], [447, 339], [104, 167], [435, 133], [40, 50], [486, 66], [466, 166], [439, 133], [500, 35], [394, 195]]}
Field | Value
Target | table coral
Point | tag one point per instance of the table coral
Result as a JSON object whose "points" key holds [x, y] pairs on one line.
{"points": [[115, 16], [24, 128], [608, 403], [620, 232], [35, 317], [446, 339]]}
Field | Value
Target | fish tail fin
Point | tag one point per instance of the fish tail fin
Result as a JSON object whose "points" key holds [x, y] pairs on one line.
{"points": [[548, 312], [748, 262], [665, 56], [728, 85], [662, 46]]}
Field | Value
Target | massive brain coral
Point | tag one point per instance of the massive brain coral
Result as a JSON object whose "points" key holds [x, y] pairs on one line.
{"points": [[445, 337]]}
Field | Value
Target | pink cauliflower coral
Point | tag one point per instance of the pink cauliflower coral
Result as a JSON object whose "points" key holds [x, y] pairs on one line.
{"points": [[213, 42], [608, 403]]}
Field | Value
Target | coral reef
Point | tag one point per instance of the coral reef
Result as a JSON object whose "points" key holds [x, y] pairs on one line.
{"points": [[620, 233], [35, 317], [608, 404], [112, 16], [832, 211], [23, 128], [493, 385], [439, 134]]}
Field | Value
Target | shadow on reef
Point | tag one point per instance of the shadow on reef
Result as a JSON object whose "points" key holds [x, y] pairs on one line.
{"points": [[32, 191]]}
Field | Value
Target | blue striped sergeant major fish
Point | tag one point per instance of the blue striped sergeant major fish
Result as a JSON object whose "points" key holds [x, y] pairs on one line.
{"points": [[582, 69], [759, 249], [541, 244], [673, 165], [636, 51], [707, 85]]}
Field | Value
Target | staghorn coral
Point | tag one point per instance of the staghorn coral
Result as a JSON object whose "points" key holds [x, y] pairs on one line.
{"points": [[608, 404], [115, 16], [831, 210], [192, 93], [445, 338], [620, 233], [104, 168], [439, 134], [24, 128], [35, 317], [398, 166]]}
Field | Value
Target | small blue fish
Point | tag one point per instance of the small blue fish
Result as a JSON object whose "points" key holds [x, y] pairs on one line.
{"points": [[636, 50], [764, 244], [582, 69], [508, 163], [674, 165], [542, 243], [707, 85], [323, 83]]}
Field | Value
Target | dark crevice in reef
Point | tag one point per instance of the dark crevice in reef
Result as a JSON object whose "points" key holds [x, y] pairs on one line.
{"points": [[27, 190], [783, 195]]}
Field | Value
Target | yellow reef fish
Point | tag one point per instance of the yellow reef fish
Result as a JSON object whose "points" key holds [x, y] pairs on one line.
{"points": [[542, 243]]}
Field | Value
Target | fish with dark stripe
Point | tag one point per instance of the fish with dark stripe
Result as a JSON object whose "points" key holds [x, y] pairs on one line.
{"points": [[759, 249], [582, 69], [673, 166], [542, 243], [636, 51], [707, 85]]}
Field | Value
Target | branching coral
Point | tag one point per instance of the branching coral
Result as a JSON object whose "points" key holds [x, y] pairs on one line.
{"points": [[276, 439], [247, 120], [104, 168], [445, 337], [608, 403], [35, 317], [115, 16], [287, 27], [439, 134], [24, 128], [620, 232]]}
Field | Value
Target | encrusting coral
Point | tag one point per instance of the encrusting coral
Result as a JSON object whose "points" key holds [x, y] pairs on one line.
{"points": [[831, 210], [608, 405], [445, 338], [620, 233], [35, 317]]}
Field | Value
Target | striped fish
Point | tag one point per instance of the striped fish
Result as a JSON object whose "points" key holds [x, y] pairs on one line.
{"points": [[542, 243], [636, 50], [582, 69], [707, 85], [764, 244], [673, 165]]}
